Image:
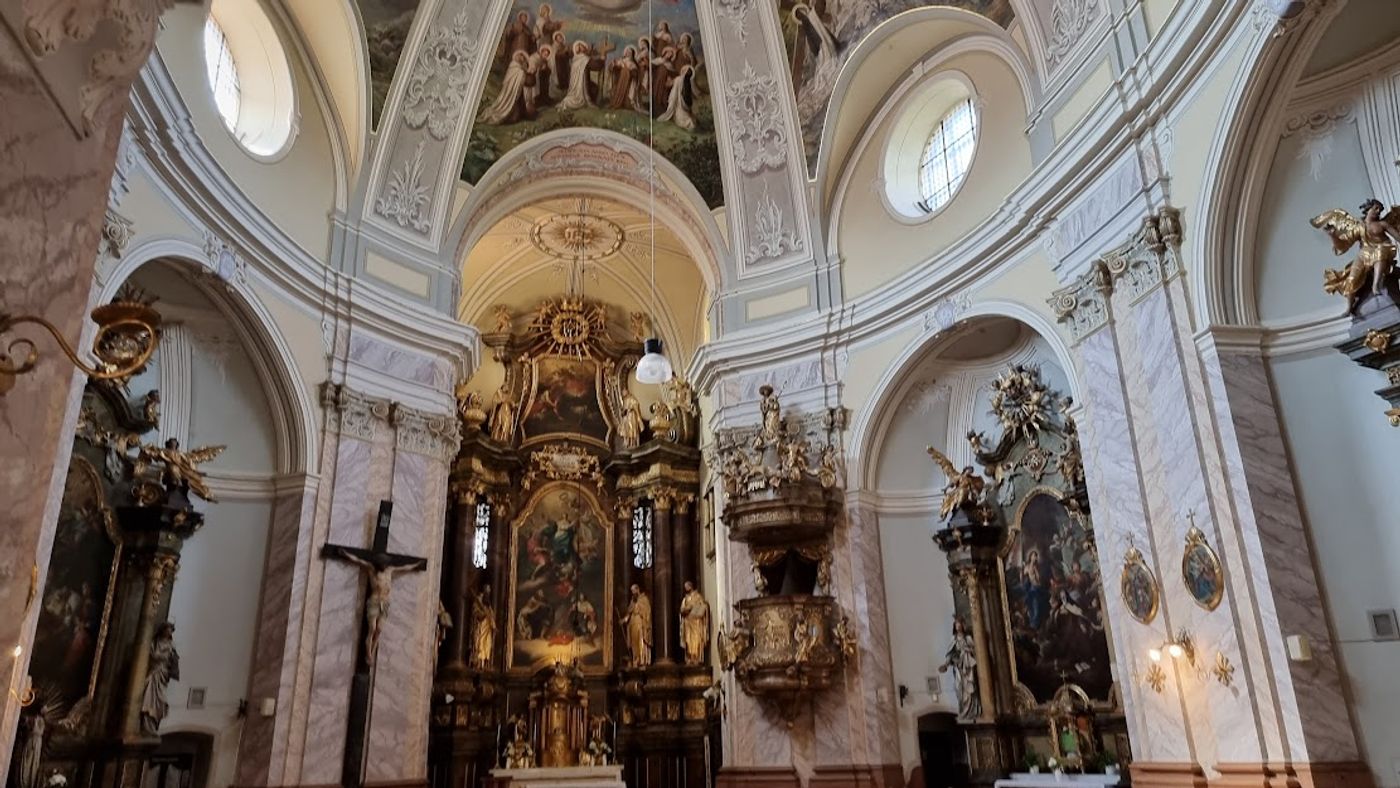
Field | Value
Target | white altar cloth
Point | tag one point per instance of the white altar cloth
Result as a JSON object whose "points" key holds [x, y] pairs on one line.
{"points": [[1028, 780], [565, 777]]}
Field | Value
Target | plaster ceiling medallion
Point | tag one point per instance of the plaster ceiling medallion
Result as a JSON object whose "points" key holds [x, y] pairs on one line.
{"points": [[577, 236]]}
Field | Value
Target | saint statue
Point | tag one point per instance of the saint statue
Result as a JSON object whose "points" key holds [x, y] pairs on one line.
{"points": [[637, 627], [695, 625], [502, 416], [629, 427], [483, 629], [178, 469], [164, 666], [504, 319], [519, 753], [1377, 234], [771, 427], [963, 490], [597, 753], [962, 658], [444, 623]]}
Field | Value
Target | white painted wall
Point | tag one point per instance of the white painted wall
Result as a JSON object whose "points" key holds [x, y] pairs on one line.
{"points": [[918, 593], [215, 597]]}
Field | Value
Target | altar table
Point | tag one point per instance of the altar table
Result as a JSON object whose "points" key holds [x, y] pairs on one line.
{"points": [[561, 777], [1044, 780]]}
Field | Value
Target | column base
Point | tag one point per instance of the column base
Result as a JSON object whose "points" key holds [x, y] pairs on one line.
{"points": [[1348, 774], [758, 777], [853, 776], [1167, 775]]}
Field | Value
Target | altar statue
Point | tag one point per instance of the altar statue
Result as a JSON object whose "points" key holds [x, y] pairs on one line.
{"points": [[695, 625], [163, 667], [178, 469], [519, 753], [1377, 234], [962, 658], [964, 488], [483, 628], [629, 427], [637, 627], [502, 416]]}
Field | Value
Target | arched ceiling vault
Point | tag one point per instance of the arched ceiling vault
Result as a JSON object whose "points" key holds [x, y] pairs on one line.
{"points": [[599, 246]]}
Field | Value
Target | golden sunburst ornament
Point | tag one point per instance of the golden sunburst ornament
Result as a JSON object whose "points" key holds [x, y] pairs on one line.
{"points": [[570, 326], [577, 236]]}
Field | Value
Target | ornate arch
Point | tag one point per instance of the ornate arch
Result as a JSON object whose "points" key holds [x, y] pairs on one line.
{"points": [[1241, 154], [294, 415], [603, 162], [874, 419]]}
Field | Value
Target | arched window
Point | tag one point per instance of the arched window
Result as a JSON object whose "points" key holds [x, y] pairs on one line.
{"points": [[641, 536], [250, 79], [223, 73], [947, 156], [481, 535]]}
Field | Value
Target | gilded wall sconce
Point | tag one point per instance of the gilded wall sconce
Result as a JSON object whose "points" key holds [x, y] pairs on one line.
{"points": [[1156, 677], [128, 331], [1223, 670]]}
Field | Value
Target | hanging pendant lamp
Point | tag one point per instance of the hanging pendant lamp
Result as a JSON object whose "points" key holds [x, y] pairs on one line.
{"points": [[653, 367]]}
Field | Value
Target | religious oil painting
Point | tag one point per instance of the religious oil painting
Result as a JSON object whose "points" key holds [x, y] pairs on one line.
{"points": [[1139, 587], [565, 401], [601, 64], [67, 641], [560, 599], [821, 34], [1200, 570], [387, 24], [1054, 602]]}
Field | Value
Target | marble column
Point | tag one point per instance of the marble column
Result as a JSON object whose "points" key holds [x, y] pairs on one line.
{"points": [[1162, 444], [663, 609], [58, 148], [458, 586]]}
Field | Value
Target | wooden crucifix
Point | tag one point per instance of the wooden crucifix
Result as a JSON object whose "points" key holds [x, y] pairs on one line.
{"points": [[379, 566]]}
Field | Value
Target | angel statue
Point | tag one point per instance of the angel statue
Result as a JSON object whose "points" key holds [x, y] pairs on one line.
{"points": [[178, 469], [1378, 234], [964, 489]]}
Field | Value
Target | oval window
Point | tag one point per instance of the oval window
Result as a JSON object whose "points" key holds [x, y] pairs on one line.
{"points": [[250, 79], [947, 156]]}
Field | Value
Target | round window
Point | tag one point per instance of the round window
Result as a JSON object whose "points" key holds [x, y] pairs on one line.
{"points": [[930, 146], [947, 156], [250, 79]]}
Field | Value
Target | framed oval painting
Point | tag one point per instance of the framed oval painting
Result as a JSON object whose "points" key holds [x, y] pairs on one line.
{"points": [[1139, 587], [1200, 570]]}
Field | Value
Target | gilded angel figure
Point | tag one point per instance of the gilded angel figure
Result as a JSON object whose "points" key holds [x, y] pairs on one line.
{"points": [[964, 489], [178, 469], [1376, 233]]}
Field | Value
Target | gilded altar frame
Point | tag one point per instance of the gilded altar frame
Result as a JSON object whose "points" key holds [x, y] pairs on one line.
{"points": [[606, 619]]}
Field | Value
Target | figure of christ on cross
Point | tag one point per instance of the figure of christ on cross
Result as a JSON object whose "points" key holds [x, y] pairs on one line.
{"points": [[379, 566]]}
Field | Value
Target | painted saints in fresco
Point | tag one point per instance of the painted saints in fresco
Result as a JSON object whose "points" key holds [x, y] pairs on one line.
{"points": [[1054, 603], [820, 35], [599, 63], [386, 31], [560, 596]]}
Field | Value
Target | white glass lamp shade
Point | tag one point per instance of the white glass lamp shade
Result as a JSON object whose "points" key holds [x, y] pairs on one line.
{"points": [[653, 367]]}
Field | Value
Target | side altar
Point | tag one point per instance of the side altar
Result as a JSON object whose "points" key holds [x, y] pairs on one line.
{"points": [[1030, 652], [574, 628]]}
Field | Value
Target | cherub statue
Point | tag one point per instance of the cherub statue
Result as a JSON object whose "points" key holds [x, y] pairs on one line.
{"points": [[504, 320], [178, 469], [845, 636], [793, 458], [828, 468], [638, 324], [732, 643], [1376, 233], [964, 489]]}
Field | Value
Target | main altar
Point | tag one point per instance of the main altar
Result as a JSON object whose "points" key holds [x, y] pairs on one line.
{"points": [[575, 631]]}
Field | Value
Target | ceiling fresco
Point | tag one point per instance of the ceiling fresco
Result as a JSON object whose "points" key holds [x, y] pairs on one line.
{"points": [[820, 35], [599, 63], [386, 29]]}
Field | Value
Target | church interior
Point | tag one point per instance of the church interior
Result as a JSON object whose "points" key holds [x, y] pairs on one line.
{"points": [[699, 393]]}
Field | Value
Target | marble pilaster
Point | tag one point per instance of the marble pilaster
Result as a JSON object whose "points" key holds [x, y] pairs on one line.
{"points": [[1172, 429], [373, 449], [58, 149]]}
